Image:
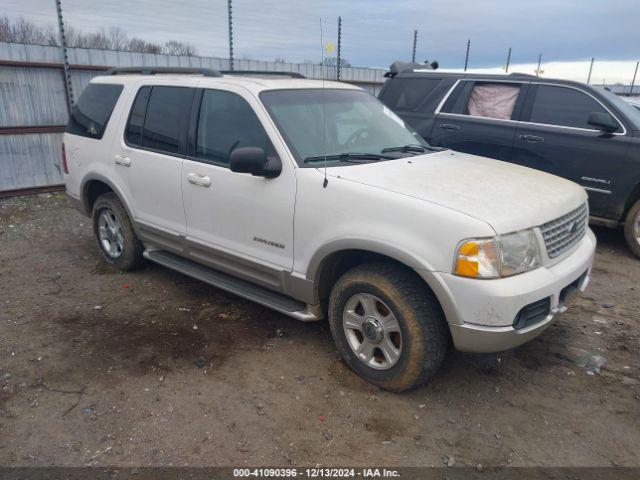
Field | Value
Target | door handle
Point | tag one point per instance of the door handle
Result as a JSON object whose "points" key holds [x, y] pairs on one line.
{"points": [[199, 179], [531, 138], [121, 160], [450, 126]]}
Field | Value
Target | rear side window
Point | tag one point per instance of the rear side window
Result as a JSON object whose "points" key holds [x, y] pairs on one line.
{"points": [[485, 99], [136, 117], [409, 93], [91, 112], [167, 114], [227, 122], [568, 107]]}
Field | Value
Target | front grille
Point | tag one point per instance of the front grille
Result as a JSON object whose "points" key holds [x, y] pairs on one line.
{"points": [[561, 234]]}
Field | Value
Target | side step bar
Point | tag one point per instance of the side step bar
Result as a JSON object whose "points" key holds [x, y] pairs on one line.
{"points": [[242, 288]]}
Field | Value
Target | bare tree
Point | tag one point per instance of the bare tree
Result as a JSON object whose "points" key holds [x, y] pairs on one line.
{"points": [[174, 47], [22, 31], [333, 62]]}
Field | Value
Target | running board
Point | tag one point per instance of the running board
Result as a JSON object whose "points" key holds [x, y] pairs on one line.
{"points": [[242, 288]]}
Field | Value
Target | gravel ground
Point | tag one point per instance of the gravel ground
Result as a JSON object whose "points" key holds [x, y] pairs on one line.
{"points": [[99, 367]]}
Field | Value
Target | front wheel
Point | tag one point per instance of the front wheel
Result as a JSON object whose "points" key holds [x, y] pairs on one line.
{"points": [[632, 229], [388, 326]]}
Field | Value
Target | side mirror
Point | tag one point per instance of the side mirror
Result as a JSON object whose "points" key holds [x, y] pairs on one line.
{"points": [[253, 160], [603, 121]]}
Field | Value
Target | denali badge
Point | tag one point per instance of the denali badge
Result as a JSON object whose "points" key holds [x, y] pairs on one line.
{"points": [[268, 242]]}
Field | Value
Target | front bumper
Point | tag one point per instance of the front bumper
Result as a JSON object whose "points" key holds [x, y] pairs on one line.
{"points": [[481, 313]]}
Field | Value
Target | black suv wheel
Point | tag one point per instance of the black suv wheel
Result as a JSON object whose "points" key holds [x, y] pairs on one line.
{"points": [[632, 229]]}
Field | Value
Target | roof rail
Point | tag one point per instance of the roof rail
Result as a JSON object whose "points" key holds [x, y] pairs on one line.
{"points": [[207, 72], [520, 74], [263, 72]]}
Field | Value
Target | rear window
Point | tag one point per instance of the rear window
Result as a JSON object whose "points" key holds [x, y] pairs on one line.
{"points": [[91, 112], [409, 93], [484, 99]]}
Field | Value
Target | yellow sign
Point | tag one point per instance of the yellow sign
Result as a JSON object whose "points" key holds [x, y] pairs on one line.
{"points": [[329, 47]]}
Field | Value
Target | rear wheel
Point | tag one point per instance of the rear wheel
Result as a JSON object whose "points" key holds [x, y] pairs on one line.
{"points": [[115, 235], [632, 229], [388, 326]]}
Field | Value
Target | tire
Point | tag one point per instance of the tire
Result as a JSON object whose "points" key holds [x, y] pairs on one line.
{"points": [[632, 229], [397, 292], [112, 226]]}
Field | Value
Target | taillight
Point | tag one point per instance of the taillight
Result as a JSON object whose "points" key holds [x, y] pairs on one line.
{"points": [[65, 167]]}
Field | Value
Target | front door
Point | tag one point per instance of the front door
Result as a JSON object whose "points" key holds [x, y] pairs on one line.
{"points": [[479, 118], [554, 136], [236, 222]]}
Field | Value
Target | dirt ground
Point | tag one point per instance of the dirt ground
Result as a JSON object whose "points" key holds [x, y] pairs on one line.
{"points": [[99, 367]]}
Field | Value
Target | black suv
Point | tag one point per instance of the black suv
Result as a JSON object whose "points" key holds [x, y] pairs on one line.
{"points": [[570, 129]]}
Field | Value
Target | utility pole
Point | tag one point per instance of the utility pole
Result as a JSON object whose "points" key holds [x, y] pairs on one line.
{"points": [[65, 58], [415, 45], [466, 58], [590, 70], [633, 82], [506, 70], [230, 35], [539, 62], [339, 67]]}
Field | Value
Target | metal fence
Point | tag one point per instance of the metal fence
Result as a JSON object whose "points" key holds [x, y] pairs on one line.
{"points": [[33, 108]]}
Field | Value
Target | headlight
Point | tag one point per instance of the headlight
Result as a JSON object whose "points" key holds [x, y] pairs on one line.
{"points": [[501, 256]]}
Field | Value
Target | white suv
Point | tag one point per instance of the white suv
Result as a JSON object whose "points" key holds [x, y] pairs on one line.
{"points": [[314, 199]]}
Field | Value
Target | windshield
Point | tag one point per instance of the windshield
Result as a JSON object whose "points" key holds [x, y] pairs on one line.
{"points": [[632, 113], [355, 122]]}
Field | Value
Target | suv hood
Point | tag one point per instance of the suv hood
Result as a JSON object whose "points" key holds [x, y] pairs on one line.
{"points": [[508, 197]]}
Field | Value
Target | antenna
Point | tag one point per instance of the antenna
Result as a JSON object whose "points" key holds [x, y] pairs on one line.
{"points": [[324, 125]]}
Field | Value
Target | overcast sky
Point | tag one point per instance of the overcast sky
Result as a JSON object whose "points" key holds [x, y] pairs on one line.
{"points": [[375, 32]]}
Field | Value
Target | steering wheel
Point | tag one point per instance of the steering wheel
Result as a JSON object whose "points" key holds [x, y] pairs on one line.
{"points": [[355, 137]]}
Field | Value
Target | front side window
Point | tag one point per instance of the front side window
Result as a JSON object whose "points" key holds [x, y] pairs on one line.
{"points": [[317, 122], [567, 107], [485, 99], [227, 122], [91, 112], [166, 114]]}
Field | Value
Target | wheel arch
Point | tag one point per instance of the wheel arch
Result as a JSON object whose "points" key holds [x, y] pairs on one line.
{"points": [[93, 186], [633, 197], [334, 259]]}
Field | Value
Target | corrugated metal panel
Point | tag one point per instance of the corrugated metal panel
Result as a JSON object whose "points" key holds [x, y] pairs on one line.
{"points": [[29, 160], [32, 96], [36, 96]]}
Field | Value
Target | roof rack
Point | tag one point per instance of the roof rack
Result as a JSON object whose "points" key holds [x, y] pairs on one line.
{"points": [[263, 72], [207, 72]]}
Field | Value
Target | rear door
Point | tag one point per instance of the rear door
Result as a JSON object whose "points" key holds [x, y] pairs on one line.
{"points": [[150, 157], [554, 136], [480, 117]]}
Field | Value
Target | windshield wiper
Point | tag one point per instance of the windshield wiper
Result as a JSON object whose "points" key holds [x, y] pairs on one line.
{"points": [[413, 147], [349, 157]]}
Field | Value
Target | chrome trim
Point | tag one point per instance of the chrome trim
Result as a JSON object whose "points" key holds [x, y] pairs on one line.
{"points": [[446, 97], [564, 233], [597, 190]]}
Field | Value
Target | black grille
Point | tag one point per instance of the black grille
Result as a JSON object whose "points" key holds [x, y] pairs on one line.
{"points": [[533, 313], [571, 287]]}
